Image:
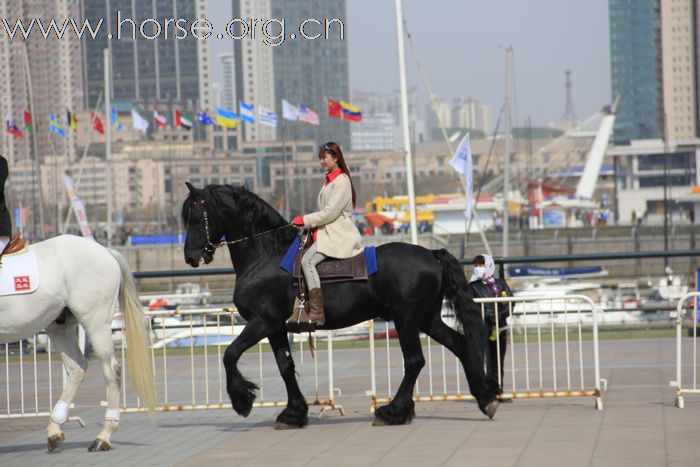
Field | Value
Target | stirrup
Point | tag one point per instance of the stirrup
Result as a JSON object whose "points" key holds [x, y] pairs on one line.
{"points": [[302, 323]]}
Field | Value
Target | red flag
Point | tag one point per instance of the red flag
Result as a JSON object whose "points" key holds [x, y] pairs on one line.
{"points": [[97, 124], [160, 119], [12, 129], [28, 121], [335, 109]]}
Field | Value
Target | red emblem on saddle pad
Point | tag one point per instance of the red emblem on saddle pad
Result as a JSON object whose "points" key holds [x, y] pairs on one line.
{"points": [[22, 283]]}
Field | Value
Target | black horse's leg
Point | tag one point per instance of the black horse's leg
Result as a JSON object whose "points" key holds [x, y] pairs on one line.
{"points": [[295, 415], [484, 389], [240, 390], [401, 410]]}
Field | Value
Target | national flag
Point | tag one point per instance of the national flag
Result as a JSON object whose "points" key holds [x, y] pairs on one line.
{"points": [[181, 121], [351, 112], [139, 122], [307, 115], [462, 163], [97, 124], [247, 113], [71, 120], [335, 109], [289, 111], [267, 116], [160, 119], [28, 124], [116, 121], [12, 128], [204, 119], [55, 126], [226, 118]]}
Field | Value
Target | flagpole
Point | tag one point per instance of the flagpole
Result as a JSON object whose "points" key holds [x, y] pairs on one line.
{"points": [[285, 176], [404, 117], [108, 143], [37, 173]]}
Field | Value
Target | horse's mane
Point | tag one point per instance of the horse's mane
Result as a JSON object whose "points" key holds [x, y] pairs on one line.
{"points": [[254, 214]]}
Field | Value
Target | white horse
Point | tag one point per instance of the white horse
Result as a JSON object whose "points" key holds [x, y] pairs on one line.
{"points": [[84, 279]]}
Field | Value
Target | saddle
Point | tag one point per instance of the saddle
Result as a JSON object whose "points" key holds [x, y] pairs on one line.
{"points": [[16, 245]]}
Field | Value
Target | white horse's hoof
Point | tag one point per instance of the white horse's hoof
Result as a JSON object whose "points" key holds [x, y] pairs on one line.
{"points": [[99, 445], [55, 441]]}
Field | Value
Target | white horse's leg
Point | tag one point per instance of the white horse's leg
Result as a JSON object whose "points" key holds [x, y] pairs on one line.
{"points": [[64, 338], [103, 349]]}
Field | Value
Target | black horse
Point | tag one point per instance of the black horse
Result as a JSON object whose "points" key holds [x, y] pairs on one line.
{"points": [[408, 288]]}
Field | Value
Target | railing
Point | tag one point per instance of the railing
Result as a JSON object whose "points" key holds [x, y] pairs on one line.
{"points": [[537, 370], [693, 333]]}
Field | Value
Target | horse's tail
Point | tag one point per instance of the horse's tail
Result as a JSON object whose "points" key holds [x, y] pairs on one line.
{"points": [[455, 289], [137, 340]]}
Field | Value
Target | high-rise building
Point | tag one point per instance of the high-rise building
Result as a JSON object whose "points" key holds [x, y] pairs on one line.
{"points": [[228, 85], [654, 66], [300, 70], [253, 63], [56, 81], [148, 72], [471, 114], [374, 132], [375, 104]]}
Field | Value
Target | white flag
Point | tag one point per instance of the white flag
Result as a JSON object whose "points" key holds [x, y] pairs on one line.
{"points": [[78, 207], [289, 111], [139, 122], [267, 116], [462, 163]]}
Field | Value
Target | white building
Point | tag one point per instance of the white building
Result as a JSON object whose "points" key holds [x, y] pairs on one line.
{"points": [[374, 132], [472, 114], [228, 86]]}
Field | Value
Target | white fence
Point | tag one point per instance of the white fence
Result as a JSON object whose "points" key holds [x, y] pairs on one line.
{"points": [[691, 346], [187, 358], [549, 354]]}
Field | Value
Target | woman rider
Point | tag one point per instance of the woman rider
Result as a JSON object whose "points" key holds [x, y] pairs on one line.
{"points": [[334, 233]]}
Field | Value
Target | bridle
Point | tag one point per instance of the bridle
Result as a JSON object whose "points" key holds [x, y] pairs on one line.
{"points": [[211, 247]]}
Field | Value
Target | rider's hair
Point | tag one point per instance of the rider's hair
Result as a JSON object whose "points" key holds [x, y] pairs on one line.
{"points": [[334, 150]]}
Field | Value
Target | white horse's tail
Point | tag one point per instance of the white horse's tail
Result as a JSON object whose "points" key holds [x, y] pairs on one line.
{"points": [[139, 358]]}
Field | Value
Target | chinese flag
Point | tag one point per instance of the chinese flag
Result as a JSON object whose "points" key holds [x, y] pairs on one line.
{"points": [[335, 110], [97, 124]]}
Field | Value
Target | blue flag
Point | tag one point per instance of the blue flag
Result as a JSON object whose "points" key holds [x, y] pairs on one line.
{"points": [[204, 119], [247, 114], [55, 126]]}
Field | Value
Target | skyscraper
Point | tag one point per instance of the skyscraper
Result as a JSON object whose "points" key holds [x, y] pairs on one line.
{"points": [[300, 70], [654, 65], [228, 85], [56, 81], [145, 71]]}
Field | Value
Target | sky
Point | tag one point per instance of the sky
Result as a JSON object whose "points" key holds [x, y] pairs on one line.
{"points": [[461, 45]]}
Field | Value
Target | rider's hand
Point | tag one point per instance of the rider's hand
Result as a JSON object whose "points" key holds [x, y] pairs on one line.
{"points": [[298, 221]]}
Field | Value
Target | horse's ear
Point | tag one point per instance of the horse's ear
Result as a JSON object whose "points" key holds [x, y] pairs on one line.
{"points": [[190, 187]]}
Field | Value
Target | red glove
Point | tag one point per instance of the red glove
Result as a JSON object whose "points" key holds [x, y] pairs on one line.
{"points": [[299, 221]]}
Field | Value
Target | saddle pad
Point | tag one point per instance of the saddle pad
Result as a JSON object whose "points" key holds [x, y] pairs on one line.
{"points": [[19, 273], [370, 262]]}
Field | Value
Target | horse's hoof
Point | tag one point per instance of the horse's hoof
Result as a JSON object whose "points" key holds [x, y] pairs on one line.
{"points": [[379, 422], [491, 408], [55, 441], [99, 445], [286, 426]]}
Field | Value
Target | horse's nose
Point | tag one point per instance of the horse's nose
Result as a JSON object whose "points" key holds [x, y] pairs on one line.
{"points": [[191, 261]]}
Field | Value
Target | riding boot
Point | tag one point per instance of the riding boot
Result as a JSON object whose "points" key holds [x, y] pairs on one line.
{"points": [[316, 315]]}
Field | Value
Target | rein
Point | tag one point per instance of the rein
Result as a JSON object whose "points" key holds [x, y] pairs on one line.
{"points": [[211, 246]]}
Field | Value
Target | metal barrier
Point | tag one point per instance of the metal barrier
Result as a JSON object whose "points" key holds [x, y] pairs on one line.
{"points": [[30, 387], [692, 332], [562, 323], [187, 363]]}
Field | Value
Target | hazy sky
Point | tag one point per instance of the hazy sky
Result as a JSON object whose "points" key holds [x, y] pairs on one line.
{"points": [[461, 45]]}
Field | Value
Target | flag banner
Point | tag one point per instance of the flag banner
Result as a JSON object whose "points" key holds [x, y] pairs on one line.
{"points": [[182, 121], [204, 119], [351, 112], [78, 207], [462, 163], [116, 121], [335, 109], [55, 126], [72, 122], [226, 118], [97, 124], [307, 115], [160, 119], [139, 122], [267, 116], [289, 111], [12, 128], [247, 114], [28, 124]]}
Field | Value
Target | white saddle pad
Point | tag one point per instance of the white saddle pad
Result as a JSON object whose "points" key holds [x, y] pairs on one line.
{"points": [[19, 274]]}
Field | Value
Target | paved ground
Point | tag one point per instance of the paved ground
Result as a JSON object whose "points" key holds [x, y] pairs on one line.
{"points": [[639, 426]]}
